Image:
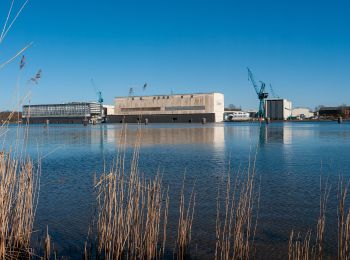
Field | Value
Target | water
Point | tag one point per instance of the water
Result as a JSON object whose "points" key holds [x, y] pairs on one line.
{"points": [[290, 158]]}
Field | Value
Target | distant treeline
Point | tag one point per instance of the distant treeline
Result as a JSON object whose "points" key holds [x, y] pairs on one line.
{"points": [[12, 116]]}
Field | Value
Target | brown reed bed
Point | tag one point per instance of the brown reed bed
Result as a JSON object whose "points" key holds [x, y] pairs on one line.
{"points": [[186, 214], [235, 234], [19, 189], [302, 248], [343, 222], [131, 210]]}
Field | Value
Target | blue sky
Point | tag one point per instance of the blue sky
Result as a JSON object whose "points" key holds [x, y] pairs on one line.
{"points": [[301, 47]]}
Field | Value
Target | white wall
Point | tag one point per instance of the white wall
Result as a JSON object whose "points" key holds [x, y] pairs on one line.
{"points": [[299, 111]]}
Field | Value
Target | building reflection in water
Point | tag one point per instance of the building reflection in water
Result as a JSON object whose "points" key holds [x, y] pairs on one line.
{"points": [[275, 134], [171, 136]]}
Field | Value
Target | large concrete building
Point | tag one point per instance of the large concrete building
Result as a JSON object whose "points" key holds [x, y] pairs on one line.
{"points": [[278, 109], [179, 108]]}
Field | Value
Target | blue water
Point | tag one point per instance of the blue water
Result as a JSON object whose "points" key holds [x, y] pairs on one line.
{"points": [[290, 157]]}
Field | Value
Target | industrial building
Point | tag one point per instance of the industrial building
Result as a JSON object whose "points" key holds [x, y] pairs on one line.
{"points": [[177, 108], [302, 113], [332, 112], [278, 109], [66, 113]]}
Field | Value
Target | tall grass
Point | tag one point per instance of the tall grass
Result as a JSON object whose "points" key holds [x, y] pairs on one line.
{"points": [[235, 234], [131, 210], [343, 222], [19, 189], [299, 248], [185, 222]]}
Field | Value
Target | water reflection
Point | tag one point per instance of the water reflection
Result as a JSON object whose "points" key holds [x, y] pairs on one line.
{"points": [[172, 136], [275, 134], [288, 161]]}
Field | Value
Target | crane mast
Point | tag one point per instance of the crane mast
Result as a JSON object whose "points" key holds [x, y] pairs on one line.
{"points": [[99, 99], [260, 91]]}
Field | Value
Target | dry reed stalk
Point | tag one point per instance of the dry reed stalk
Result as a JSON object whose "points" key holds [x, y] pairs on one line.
{"points": [[343, 223], [130, 210], [47, 245], [235, 236], [185, 223], [19, 188], [302, 250]]}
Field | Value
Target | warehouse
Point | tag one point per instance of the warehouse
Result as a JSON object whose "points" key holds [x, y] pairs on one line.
{"points": [[66, 113], [278, 109], [178, 108], [333, 112]]}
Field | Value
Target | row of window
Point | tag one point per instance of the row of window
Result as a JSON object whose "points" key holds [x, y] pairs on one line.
{"points": [[62, 110], [158, 97], [172, 108]]}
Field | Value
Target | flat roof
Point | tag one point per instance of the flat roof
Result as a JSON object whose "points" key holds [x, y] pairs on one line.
{"points": [[165, 95], [60, 104], [334, 108]]}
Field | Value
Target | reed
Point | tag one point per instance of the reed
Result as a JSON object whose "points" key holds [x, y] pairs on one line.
{"points": [[343, 222], [235, 235], [182, 248], [299, 248], [131, 210], [19, 189], [47, 245]]}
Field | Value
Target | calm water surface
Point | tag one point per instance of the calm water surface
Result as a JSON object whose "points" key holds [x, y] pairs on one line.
{"points": [[290, 159]]}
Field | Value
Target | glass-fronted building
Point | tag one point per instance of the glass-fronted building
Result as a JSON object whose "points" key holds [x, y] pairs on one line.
{"points": [[61, 113]]}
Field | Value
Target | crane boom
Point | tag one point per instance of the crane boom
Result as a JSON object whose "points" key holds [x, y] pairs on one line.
{"points": [[251, 78], [273, 92]]}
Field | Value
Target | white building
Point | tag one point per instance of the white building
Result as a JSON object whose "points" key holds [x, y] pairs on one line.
{"points": [[196, 107], [108, 109], [302, 112], [278, 109]]}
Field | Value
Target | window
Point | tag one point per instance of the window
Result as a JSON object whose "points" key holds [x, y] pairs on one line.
{"points": [[185, 108]]}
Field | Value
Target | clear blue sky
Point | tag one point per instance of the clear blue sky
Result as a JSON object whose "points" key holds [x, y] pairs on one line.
{"points": [[301, 47]]}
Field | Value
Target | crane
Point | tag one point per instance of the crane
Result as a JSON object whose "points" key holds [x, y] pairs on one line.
{"points": [[262, 95], [99, 98], [273, 92]]}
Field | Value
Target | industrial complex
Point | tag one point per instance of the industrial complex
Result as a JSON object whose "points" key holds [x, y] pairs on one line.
{"points": [[174, 108]]}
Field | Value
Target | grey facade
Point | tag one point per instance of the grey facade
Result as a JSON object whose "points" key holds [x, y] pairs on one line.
{"points": [[278, 109], [75, 112]]}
